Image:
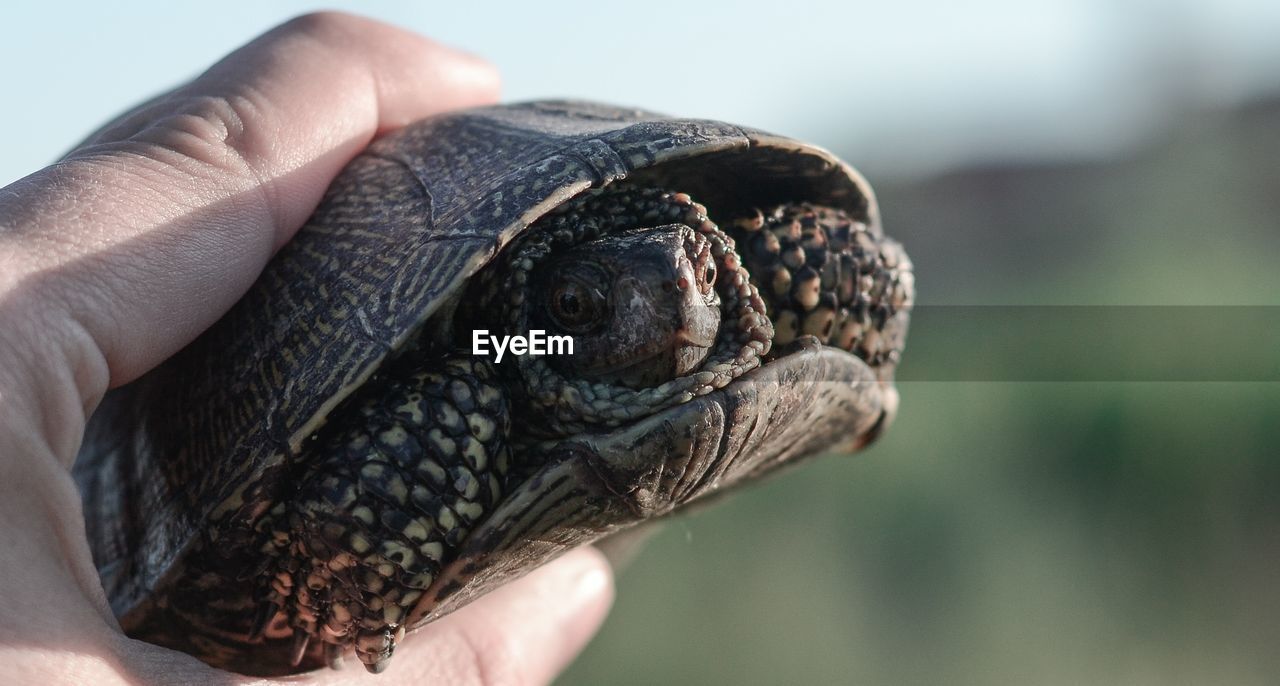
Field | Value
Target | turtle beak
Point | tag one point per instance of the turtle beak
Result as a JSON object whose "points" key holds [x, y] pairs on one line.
{"points": [[698, 316], [800, 405], [696, 330], [699, 322]]}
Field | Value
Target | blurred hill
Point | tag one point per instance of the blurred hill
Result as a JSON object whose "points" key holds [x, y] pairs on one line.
{"points": [[1190, 220], [1099, 532]]}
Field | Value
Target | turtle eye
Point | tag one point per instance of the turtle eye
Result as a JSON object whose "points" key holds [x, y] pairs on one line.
{"points": [[576, 307]]}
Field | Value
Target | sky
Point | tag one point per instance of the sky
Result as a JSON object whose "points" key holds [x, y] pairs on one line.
{"points": [[906, 87]]}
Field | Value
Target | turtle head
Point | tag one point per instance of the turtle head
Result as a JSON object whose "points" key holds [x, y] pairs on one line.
{"points": [[657, 302], [640, 306]]}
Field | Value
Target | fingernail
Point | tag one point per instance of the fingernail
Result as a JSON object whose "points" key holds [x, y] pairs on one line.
{"points": [[596, 577], [582, 585], [473, 72]]}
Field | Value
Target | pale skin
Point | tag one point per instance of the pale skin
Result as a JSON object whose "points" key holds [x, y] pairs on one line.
{"points": [[121, 253]]}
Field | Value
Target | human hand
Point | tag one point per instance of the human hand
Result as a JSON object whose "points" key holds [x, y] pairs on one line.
{"points": [[212, 178]]}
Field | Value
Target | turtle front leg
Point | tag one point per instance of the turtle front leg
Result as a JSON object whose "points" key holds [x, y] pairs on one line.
{"points": [[385, 495], [824, 273]]}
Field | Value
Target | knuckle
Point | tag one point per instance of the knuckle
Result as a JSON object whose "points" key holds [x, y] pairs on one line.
{"points": [[217, 131], [352, 34], [324, 24]]}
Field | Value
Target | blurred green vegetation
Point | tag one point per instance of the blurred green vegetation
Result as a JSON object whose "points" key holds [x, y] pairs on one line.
{"points": [[1087, 532]]}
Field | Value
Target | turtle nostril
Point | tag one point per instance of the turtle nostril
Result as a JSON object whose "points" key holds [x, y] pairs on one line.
{"points": [[698, 250]]}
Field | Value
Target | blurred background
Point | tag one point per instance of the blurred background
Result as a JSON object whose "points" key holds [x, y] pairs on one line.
{"points": [[1015, 526]]}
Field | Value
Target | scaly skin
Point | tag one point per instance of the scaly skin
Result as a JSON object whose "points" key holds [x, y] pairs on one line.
{"points": [[824, 274], [409, 465], [387, 490]]}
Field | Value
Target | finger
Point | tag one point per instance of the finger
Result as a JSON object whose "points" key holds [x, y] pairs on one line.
{"points": [[123, 252], [319, 82], [526, 632]]}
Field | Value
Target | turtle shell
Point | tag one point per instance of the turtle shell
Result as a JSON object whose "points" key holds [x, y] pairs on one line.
{"points": [[193, 450]]}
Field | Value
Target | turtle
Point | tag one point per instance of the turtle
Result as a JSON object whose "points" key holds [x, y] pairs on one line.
{"points": [[372, 436]]}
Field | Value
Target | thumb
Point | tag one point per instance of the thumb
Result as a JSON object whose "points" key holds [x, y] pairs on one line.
{"points": [[525, 632], [123, 252]]}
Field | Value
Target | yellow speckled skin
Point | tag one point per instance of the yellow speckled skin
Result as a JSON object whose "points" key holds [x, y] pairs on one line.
{"points": [[408, 467], [823, 273]]}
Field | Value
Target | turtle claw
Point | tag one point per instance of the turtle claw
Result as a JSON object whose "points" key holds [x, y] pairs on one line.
{"points": [[374, 649], [300, 641], [333, 655], [262, 619]]}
